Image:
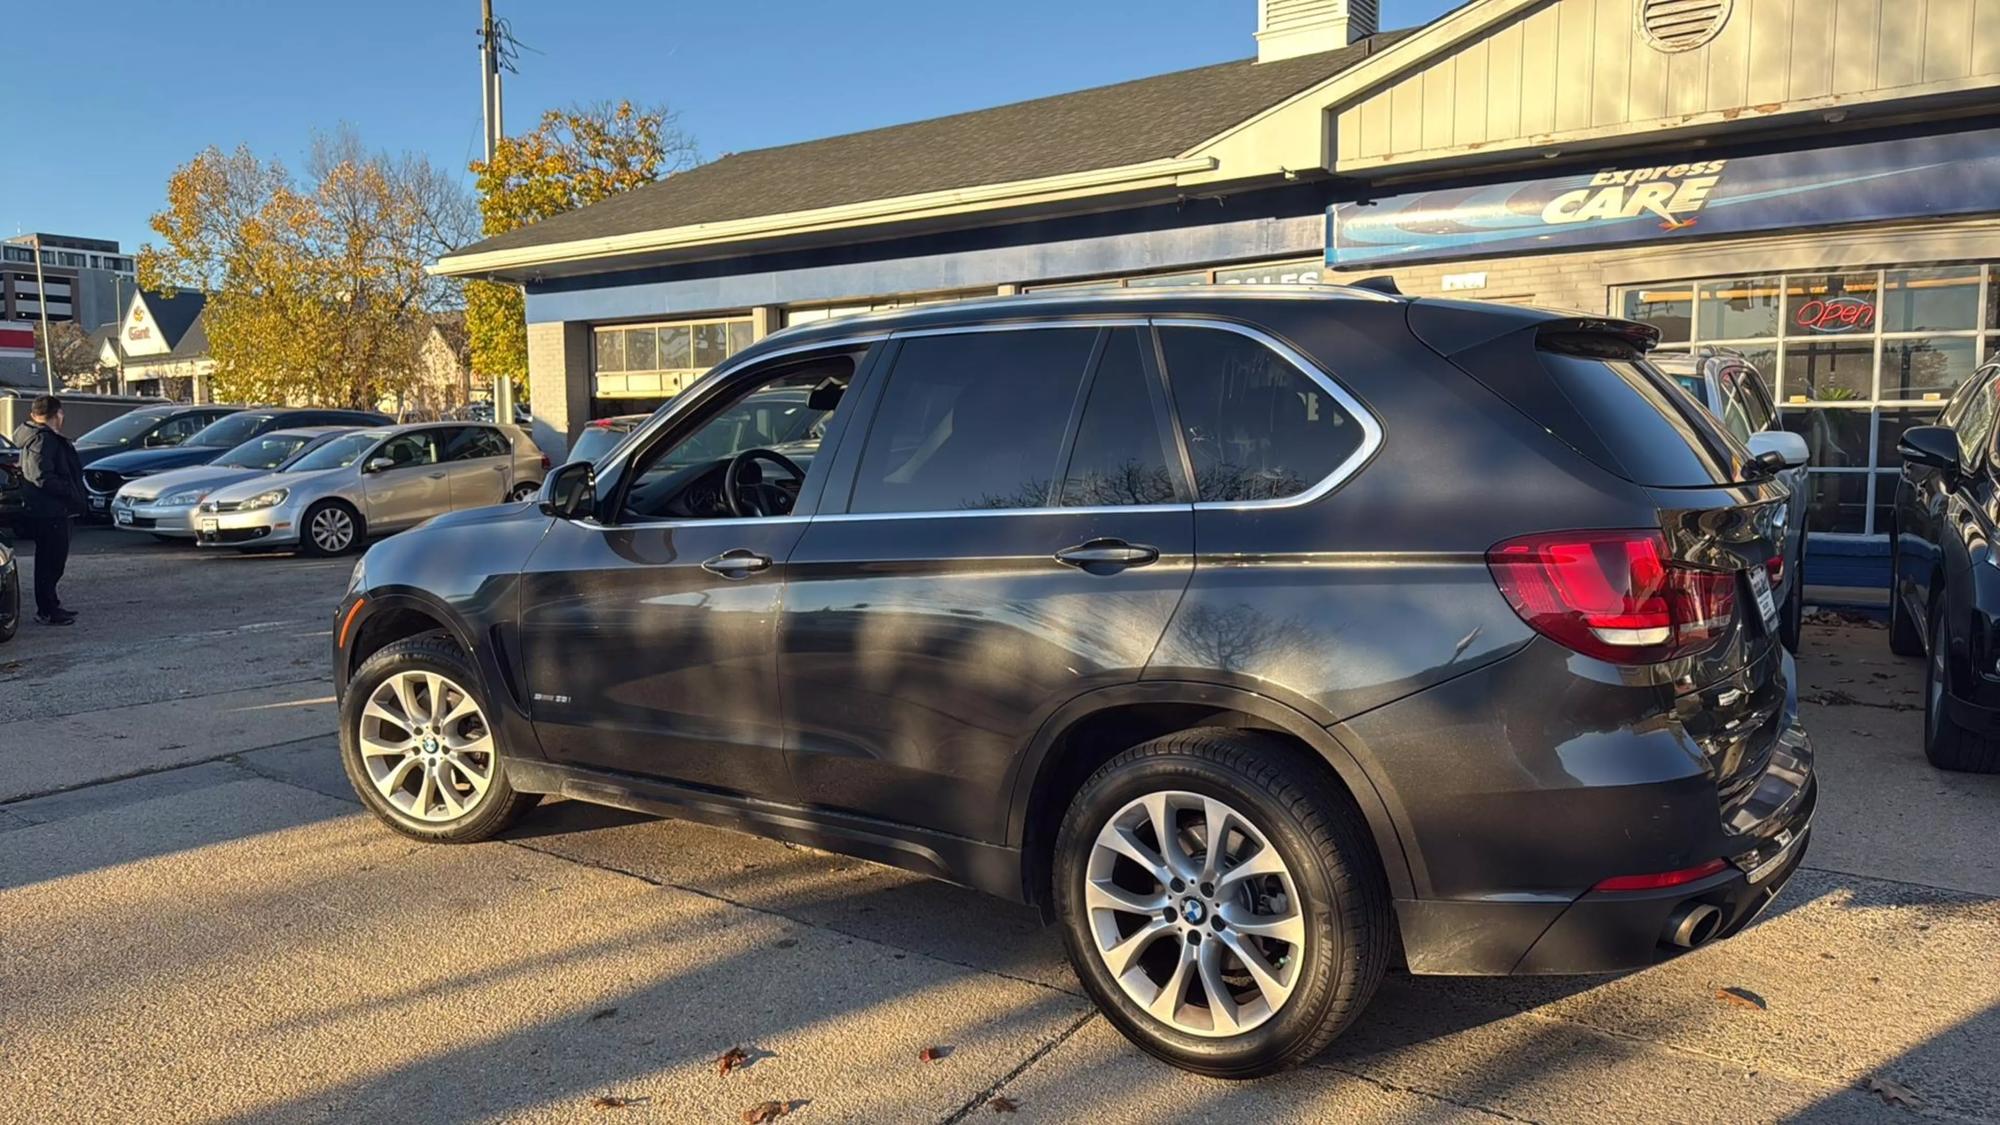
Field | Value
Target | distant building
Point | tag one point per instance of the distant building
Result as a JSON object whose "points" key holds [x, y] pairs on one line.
{"points": [[161, 346], [82, 279]]}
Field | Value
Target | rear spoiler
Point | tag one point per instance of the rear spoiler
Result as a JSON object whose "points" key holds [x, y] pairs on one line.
{"points": [[1451, 328]]}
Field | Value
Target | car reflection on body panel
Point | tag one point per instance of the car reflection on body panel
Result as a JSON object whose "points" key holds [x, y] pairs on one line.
{"points": [[372, 482]]}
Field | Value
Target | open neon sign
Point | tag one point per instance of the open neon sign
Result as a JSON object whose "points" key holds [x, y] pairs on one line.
{"points": [[1835, 314]]}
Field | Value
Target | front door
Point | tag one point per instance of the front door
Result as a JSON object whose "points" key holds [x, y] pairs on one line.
{"points": [[478, 462], [1013, 538], [404, 482], [648, 634]]}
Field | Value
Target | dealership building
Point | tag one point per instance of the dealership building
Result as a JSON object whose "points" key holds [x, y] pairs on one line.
{"points": [[1814, 183]]}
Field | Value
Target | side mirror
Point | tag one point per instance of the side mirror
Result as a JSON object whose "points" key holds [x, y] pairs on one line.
{"points": [[570, 492], [1790, 447], [378, 464], [160, 441], [1934, 447]]}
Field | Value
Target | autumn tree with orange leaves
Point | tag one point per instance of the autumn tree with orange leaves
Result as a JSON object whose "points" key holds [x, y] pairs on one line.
{"points": [[317, 291], [572, 159]]}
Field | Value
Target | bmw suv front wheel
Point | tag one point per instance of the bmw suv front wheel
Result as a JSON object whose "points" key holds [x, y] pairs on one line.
{"points": [[1222, 901], [418, 744]]}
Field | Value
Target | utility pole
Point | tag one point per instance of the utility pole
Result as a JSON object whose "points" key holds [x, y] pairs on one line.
{"points": [[42, 291], [489, 110]]}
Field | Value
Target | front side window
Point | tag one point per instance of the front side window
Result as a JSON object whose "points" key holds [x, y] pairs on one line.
{"points": [[784, 415], [408, 450], [232, 431], [972, 421], [1256, 427]]}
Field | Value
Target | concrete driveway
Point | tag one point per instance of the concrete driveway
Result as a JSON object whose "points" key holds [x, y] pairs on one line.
{"points": [[197, 923]]}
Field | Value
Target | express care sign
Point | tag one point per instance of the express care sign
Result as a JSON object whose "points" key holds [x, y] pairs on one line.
{"points": [[1676, 199]]}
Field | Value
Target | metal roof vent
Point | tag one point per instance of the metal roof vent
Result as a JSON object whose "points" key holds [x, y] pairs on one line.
{"points": [[1682, 25]]}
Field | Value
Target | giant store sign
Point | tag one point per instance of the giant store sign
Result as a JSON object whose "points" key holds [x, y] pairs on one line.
{"points": [[1672, 201]]}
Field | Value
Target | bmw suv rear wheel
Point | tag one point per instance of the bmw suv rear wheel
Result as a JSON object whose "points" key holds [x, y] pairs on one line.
{"points": [[1222, 902], [419, 747]]}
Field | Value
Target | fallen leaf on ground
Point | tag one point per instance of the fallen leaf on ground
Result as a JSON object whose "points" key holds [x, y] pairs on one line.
{"points": [[765, 1111], [933, 1054], [1742, 998], [1893, 1093], [731, 1059], [602, 1014], [617, 1101], [1002, 1104]]}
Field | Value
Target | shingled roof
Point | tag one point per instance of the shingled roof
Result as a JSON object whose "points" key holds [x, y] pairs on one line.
{"points": [[1106, 127]]}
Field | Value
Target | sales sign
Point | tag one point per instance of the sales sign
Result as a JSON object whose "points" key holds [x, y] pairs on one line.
{"points": [[1676, 199]]}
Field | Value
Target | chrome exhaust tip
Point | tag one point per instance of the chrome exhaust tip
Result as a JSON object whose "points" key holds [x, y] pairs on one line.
{"points": [[1693, 924]]}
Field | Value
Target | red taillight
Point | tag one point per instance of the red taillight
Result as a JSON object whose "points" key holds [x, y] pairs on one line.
{"points": [[1614, 595], [546, 463], [1662, 880], [1774, 567]]}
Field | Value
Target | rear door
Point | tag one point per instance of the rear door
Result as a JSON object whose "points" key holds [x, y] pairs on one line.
{"points": [[411, 488], [1011, 534], [477, 462]]}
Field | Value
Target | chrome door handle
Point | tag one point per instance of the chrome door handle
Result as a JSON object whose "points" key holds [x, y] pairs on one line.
{"points": [[499, 468], [436, 476], [737, 563], [1108, 552]]}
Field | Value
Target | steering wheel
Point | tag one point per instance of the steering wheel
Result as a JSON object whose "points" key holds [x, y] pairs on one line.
{"points": [[748, 493]]}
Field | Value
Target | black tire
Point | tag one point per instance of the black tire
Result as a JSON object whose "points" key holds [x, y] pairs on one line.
{"points": [[500, 807], [1948, 745], [308, 545], [10, 605], [158, 538], [1322, 839]]}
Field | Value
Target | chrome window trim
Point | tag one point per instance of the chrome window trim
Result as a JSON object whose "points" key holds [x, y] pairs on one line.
{"points": [[1371, 429]]}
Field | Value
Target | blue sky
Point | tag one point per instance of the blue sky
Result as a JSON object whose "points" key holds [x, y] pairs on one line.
{"points": [[143, 85]]}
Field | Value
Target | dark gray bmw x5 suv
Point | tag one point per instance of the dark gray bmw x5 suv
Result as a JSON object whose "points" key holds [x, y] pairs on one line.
{"points": [[1261, 637]]}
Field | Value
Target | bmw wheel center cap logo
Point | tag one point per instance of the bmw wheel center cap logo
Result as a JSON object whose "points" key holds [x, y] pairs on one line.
{"points": [[1192, 910]]}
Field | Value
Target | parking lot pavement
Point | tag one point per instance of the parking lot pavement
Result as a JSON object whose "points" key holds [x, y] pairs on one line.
{"points": [[221, 935]]}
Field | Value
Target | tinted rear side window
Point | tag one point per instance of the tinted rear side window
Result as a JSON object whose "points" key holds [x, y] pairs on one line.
{"points": [[1119, 458], [1256, 427], [1649, 435], [972, 420]]}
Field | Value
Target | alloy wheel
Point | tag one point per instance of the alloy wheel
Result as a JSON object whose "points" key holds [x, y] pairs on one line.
{"points": [[426, 746], [1194, 913], [332, 530]]}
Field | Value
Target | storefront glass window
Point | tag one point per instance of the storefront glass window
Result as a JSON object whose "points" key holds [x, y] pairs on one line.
{"points": [[653, 361], [1830, 371], [1932, 300], [1739, 309], [1669, 308], [1854, 357]]}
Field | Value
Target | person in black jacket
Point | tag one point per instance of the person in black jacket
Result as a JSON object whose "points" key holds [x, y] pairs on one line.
{"points": [[54, 494]]}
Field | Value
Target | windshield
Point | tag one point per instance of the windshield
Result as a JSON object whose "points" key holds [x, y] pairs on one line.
{"points": [[338, 453], [595, 441], [231, 431], [267, 452], [121, 430]]}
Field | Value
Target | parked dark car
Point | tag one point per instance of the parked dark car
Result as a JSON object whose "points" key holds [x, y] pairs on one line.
{"points": [[10, 593], [1944, 599], [1729, 386], [148, 427], [104, 477], [1257, 635], [13, 501]]}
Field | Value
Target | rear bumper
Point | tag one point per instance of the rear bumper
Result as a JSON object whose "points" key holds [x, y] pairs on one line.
{"points": [[1608, 932]]}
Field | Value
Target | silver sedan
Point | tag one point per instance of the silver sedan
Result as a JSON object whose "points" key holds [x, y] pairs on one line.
{"points": [[163, 505], [372, 482]]}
